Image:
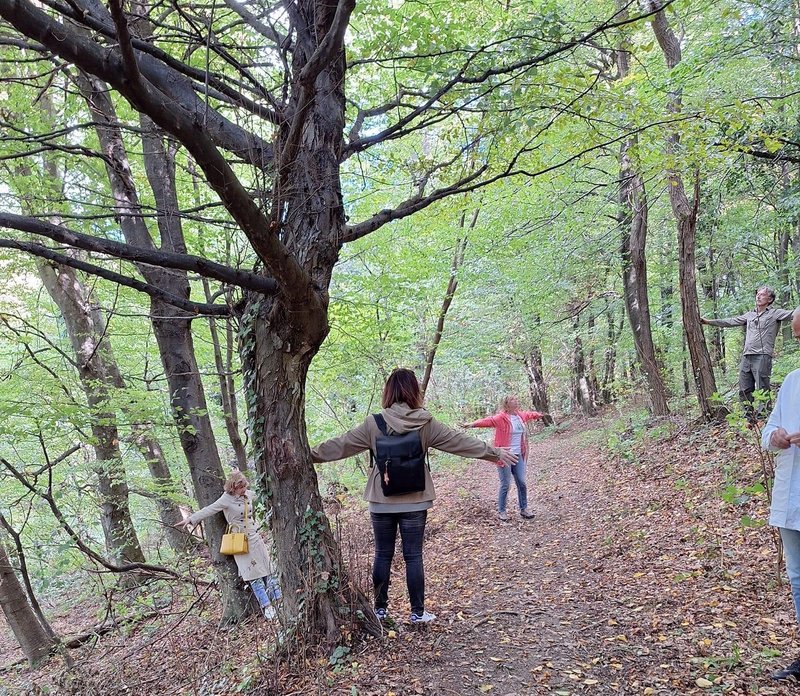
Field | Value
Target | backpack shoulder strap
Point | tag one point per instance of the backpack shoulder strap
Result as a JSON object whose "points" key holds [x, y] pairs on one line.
{"points": [[380, 421]]}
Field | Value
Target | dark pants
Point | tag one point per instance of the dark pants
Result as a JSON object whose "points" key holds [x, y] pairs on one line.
{"points": [[754, 373], [412, 529]]}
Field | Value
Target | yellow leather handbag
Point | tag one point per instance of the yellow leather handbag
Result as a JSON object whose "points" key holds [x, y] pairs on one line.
{"points": [[235, 542]]}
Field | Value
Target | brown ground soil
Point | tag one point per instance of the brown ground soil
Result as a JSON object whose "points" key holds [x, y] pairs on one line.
{"points": [[640, 574]]}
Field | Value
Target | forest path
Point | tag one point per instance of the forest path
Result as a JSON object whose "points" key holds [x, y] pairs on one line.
{"points": [[615, 587], [649, 574]]}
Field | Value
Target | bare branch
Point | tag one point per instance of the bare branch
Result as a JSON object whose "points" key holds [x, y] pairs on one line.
{"points": [[195, 308], [162, 259], [48, 496]]}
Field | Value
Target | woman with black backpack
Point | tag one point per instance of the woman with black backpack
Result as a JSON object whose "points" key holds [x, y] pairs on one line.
{"points": [[399, 487]]}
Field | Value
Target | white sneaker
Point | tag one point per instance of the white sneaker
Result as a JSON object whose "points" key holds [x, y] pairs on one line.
{"points": [[426, 617], [269, 612]]}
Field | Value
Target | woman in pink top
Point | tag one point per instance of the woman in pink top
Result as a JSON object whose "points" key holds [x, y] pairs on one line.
{"points": [[509, 431]]}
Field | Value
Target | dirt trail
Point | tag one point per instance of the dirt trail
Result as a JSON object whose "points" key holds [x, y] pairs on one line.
{"points": [[619, 585]]}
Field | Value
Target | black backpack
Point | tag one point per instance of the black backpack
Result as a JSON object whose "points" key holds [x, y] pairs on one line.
{"points": [[400, 460]]}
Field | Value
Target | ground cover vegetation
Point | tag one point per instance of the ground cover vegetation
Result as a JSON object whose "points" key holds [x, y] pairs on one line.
{"points": [[224, 224]]}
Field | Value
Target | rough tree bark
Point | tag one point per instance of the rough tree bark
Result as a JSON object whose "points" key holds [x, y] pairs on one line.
{"points": [[34, 639], [685, 213], [632, 219]]}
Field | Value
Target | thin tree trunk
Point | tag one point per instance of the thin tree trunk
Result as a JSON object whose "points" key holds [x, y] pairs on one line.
{"points": [[171, 326], [581, 392], [609, 372], [591, 369], [784, 245], [227, 389], [87, 333], [686, 218], [452, 286]]}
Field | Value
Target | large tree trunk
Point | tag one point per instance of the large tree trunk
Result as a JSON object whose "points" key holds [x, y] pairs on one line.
{"points": [[686, 218], [633, 225], [34, 639], [281, 334], [171, 326]]}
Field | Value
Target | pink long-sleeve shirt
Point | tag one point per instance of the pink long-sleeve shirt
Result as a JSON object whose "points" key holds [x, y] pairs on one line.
{"points": [[501, 422]]}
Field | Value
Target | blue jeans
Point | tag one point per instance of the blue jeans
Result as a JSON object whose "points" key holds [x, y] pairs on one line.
{"points": [[518, 473], [267, 590], [412, 529], [791, 552]]}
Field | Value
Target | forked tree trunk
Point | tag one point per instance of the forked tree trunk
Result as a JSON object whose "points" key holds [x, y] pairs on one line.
{"points": [[686, 218], [33, 638], [633, 227]]}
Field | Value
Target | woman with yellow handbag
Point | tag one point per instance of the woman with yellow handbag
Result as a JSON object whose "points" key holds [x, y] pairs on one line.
{"points": [[243, 540]]}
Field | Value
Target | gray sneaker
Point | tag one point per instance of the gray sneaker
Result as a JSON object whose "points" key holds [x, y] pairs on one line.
{"points": [[502, 516], [526, 514]]}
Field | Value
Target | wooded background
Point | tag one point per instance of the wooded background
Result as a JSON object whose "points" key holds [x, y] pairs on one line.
{"points": [[224, 224]]}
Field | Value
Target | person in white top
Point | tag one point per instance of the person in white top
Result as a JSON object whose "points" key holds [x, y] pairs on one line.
{"points": [[782, 435]]}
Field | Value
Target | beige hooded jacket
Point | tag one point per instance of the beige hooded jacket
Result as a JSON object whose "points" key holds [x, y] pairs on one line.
{"points": [[402, 419]]}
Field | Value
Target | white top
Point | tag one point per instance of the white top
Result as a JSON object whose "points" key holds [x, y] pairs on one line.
{"points": [[517, 431], [785, 509]]}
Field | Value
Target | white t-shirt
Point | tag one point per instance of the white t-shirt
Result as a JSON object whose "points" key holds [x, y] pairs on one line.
{"points": [[517, 431]]}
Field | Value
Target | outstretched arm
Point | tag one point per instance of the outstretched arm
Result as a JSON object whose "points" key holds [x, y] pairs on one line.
{"points": [[352, 442], [447, 439], [489, 422], [726, 323], [217, 506], [530, 415]]}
